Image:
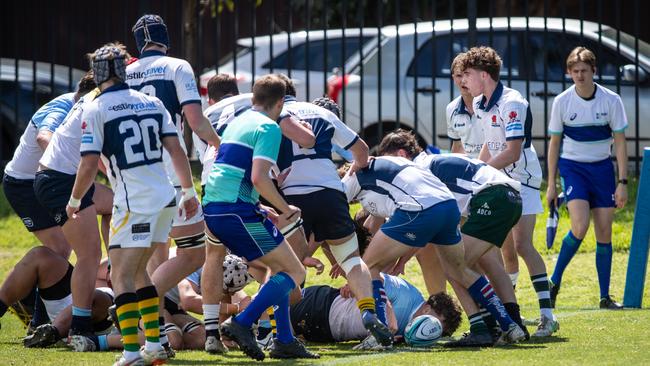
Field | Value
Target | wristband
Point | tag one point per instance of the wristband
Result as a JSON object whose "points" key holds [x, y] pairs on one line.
{"points": [[188, 192], [74, 202], [623, 181]]}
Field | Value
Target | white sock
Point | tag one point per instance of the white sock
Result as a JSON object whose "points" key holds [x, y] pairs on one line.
{"points": [[211, 317], [152, 346]]}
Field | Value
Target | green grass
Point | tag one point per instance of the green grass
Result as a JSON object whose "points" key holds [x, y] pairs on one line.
{"points": [[587, 335]]}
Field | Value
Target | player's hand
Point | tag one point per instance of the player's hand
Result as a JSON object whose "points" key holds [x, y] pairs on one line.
{"points": [[311, 262], [243, 304], [305, 124], [398, 268], [346, 292], [620, 196], [551, 194], [271, 214], [188, 206], [336, 271], [71, 211], [358, 165], [280, 178]]}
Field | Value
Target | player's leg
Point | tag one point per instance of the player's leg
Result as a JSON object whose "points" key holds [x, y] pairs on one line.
{"points": [[193, 331], [603, 218], [434, 276], [103, 199], [511, 259], [212, 291]]}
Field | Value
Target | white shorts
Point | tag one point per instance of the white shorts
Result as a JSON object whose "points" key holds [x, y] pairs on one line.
{"points": [[531, 202], [132, 230], [179, 220], [54, 307]]}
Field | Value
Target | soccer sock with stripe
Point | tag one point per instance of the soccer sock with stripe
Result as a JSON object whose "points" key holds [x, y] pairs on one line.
{"points": [[540, 283], [128, 316], [81, 320], [148, 306], [604, 267], [483, 293], [476, 324], [283, 321], [570, 245], [379, 296], [489, 320], [278, 286], [211, 319]]}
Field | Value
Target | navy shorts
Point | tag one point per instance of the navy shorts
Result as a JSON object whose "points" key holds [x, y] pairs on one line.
{"points": [[242, 228], [21, 197], [53, 190], [325, 213], [437, 224], [593, 182]]}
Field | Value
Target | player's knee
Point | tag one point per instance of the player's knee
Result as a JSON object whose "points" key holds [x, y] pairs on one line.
{"points": [[346, 254]]}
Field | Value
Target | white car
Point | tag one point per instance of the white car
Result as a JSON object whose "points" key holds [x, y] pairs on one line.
{"points": [[410, 82], [258, 56]]}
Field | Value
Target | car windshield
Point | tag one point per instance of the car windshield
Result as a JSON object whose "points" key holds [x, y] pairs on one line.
{"points": [[628, 41]]}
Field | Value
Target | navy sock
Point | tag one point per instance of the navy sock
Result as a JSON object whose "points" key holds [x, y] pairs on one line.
{"points": [[283, 321], [476, 324], [570, 245], [379, 294], [81, 320], [276, 288], [604, 267], [3, 308], [482, 292], [40, 313]]}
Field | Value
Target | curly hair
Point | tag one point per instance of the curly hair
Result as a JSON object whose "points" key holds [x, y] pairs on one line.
{"points": [[400, 139], [483, 59], [328, 104], [363, 235], [445, 305]]}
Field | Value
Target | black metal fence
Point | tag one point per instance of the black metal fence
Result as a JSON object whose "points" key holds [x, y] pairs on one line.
{"points": [[386, 62]]}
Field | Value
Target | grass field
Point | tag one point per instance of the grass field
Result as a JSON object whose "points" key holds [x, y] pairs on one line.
{"points": [[587, 336]]}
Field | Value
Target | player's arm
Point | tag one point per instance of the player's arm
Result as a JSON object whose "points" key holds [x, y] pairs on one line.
{"points": [[551, 162], [264, 185], [361, 155], [43, 138], [508, 156], [373, 223], [200, 124], [85, 177], [484, 154], [457, 147], [620, 146], [391, 319], [298, 131], [190, 299]]}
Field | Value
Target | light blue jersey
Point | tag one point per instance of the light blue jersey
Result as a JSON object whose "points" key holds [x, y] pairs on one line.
{"points": [[405, 299]]}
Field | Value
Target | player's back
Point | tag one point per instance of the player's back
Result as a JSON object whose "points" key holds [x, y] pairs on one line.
{"points": [[312, 168], [24, 163], [405, 299], [249, 136], [127, 127]]}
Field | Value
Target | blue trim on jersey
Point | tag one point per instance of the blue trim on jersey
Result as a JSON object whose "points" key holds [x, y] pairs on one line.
{"points": [[528, 128], [90, 152], [461, 108], [235, 155], [449, 169], [588, 133], [191, 101], [496, 95], [383, 170], [515, 138], [112, 88], [354, 141], [149, 53]]}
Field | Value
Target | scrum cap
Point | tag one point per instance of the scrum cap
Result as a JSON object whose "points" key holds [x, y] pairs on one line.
{"points": [[107, 62], [150, 28]]}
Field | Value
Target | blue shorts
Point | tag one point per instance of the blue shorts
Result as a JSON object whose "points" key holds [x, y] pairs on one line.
{"points": [[437, 224], [53, 189], [593, 182], [21, 197], [243, 228]]}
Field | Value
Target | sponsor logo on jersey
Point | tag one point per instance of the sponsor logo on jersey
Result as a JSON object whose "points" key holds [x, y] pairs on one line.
{"points": [[601, 114], [496, 145], [133, 106], [84, 125], [411, 236], [190, 85], [573, 116], [495, 123], [154, 71], [140, 237], [87, 139], [457, 125], [512, 115], [28, 222], [140, 228], [569, 190]]}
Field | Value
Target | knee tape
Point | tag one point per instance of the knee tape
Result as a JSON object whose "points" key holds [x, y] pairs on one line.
{"points": [[290, 229], [213, 241], [341, 253], [171, 327], [192, 241], [191, 326]]}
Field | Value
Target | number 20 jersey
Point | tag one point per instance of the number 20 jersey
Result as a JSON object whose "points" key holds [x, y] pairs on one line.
{"points": [[127, 128], [172, 81]]}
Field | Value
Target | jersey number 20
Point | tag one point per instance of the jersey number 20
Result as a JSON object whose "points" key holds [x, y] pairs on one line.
{"points": [[141, 140]]}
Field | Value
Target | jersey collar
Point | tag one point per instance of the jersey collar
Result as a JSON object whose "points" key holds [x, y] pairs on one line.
{"points": [[496, 95], [289, 98], [461, 108], [148, 53], [116, 87]]}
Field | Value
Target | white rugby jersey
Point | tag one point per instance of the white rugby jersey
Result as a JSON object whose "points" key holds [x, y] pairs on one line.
{"points": [[389, 183], [313, 169], [463, 127], [219, 115], [586, 126], [62, 153], [465, 177], [172, 81], [506, 116], [49, 117], [127, 128]]}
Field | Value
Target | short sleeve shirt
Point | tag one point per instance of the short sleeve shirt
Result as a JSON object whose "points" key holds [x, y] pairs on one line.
{"points": [[463, 126]]}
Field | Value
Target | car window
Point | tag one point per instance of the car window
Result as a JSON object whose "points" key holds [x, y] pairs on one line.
{"points": [[316, 49], [507, 49], [556, 50]]}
